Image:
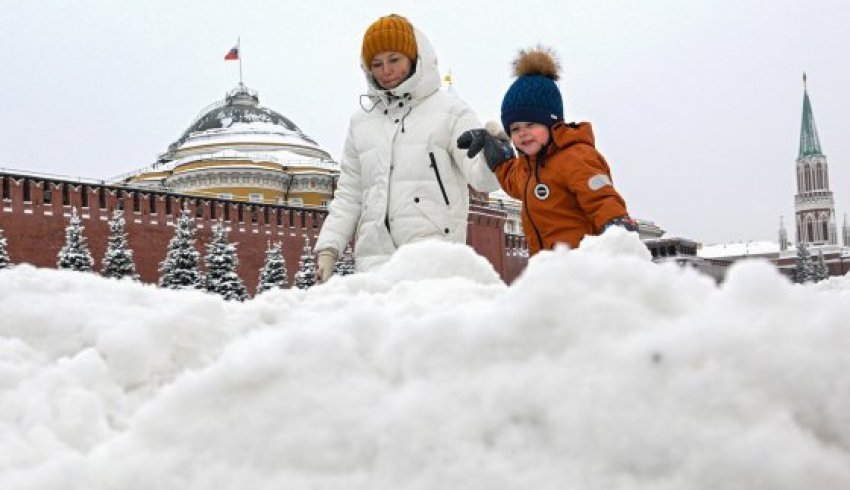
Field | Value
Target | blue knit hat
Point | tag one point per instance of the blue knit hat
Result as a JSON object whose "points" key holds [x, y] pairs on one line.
{"points": [[534, 96]]}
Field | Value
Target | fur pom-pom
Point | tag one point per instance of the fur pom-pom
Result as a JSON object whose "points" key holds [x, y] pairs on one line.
{"points": [[538, 60]]}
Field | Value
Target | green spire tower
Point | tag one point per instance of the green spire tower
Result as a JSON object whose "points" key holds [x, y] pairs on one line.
{"points": [[813, 205], [809, 141]]}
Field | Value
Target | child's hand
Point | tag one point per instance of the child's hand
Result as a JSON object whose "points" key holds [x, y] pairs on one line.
{"points": [[623, 222], [495, 150]]}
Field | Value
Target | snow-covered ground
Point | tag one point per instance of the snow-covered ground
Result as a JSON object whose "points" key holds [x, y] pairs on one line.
{"points": [[597, 369]]}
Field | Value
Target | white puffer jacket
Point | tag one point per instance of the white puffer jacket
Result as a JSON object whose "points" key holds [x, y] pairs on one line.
{"points": [[402, 177]]}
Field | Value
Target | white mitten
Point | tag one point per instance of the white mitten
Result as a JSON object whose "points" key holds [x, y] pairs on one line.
{"points": [[496, 130], [325, 262]]}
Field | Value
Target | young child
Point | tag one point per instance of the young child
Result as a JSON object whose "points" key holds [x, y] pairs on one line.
{"points": [[564, 184]]}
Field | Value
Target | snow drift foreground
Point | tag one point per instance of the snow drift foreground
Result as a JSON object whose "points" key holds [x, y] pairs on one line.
{"points": [[597, 369]]}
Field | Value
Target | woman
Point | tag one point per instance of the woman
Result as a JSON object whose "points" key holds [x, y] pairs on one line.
{"points": [[402, 178]]}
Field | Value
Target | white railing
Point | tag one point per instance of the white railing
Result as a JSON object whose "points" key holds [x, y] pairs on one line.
{"points": [[205, 110], [235, 155]]}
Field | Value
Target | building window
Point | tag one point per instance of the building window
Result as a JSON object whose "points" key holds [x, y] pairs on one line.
{"points": [[279, 217], [168, 205], [27, 196], [137, 203], [84, 196], [213, 206], [101, 197], [226, 212], [255, 215], [66, 195], [240, 217], [255, 197], [152, 203], [225, 195], [296, 201], [6, 191], [265, 215], [48, 194], [199, 209]]}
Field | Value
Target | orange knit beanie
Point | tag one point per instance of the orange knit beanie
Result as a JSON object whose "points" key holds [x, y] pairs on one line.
{"points": [[390, 33]]}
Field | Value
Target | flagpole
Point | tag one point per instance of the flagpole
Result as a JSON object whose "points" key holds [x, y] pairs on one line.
{"points": [[239, 50]]}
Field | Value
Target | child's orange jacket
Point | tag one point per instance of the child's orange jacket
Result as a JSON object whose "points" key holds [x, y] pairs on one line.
{"points": [[581, 196]]}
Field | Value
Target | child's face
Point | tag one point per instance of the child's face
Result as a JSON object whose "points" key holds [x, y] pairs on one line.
{"points": [[529, 137]]}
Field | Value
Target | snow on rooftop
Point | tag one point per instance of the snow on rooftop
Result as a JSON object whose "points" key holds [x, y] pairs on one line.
{"points": [[596, 369], [738, 249], [501, 194], [253, 133]]}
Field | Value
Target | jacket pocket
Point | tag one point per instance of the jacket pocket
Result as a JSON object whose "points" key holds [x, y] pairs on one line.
{"points": [[439, 178], [433, 212]]}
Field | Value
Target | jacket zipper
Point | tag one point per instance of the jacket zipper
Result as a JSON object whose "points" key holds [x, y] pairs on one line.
{"points": [[528, 200], [439, 179]]}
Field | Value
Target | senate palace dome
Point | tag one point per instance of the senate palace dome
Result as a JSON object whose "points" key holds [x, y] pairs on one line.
{"points": [[237, 149]]}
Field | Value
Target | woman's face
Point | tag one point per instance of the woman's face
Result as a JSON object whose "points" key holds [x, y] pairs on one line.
{"points": [[390, 69]]}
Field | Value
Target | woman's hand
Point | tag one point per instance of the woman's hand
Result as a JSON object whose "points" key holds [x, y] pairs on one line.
{"points": [[325, 262]]}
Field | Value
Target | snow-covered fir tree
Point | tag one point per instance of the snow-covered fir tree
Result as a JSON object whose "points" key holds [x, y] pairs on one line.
{"points": [[306, 275], [221, 262], [118, 259], [180, 268], [804, 272], [273, 273], [4, 253], [75, 254], [820, 268], [345, 264]]}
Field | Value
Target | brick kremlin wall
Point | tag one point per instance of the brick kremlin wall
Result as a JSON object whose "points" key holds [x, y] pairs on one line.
{"points": [[36, 210]]}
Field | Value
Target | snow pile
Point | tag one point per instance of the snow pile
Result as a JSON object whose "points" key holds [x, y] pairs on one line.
{"points": [[596, 370]]}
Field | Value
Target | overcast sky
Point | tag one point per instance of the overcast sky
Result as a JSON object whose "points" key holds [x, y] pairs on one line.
{"points": [[695, 104]]}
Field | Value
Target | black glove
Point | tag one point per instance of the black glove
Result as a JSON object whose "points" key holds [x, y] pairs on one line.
{"points": [[623, 222], [495, 150]]}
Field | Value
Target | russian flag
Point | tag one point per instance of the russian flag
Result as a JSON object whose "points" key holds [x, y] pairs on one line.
{"points": [[233, 54]]}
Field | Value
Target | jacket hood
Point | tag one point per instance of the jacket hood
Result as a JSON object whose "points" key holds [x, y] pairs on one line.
{"points": [[424, 81], [568, 134], [565, 135]]}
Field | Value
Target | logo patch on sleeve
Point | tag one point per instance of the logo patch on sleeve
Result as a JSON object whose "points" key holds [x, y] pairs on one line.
{"points": [[598, 181]]}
